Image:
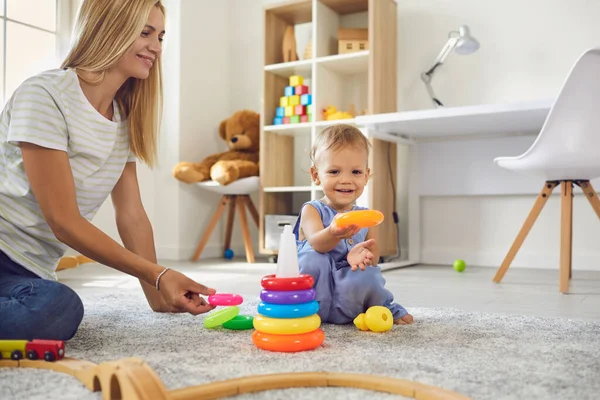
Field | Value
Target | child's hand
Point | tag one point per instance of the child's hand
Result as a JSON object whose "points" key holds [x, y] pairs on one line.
{"points": [[360, 256], [343, 233]]}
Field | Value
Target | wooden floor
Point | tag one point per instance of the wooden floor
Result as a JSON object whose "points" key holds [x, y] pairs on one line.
{"points": [[523, 291]]}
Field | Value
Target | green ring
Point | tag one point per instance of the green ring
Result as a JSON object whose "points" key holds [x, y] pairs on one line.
{"points": [[217, 318], [240, 322]]}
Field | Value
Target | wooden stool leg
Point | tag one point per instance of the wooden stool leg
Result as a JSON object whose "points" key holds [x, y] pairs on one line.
{"points": [[252, 209], [211, 227], [533, 214], [230, 218], [245, 232], [566, 235]]}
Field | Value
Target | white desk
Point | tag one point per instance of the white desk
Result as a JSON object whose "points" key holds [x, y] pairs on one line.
{"points": [[448, 123]]}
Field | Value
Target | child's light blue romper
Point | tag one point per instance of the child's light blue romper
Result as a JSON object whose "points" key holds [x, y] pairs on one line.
{"points": [[342, 293]]}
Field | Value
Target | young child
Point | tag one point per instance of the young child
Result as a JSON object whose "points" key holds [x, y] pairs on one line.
{"points": [[333, 255]]}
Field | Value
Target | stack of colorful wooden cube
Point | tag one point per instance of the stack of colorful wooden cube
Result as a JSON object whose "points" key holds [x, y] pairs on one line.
{"points": [[296, 104]]}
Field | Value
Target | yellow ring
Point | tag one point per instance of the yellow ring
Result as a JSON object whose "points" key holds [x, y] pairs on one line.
{"points": [[287, 326]]}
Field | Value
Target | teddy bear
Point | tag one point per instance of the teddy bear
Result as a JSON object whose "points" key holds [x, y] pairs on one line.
{"points": [[241, 132]]}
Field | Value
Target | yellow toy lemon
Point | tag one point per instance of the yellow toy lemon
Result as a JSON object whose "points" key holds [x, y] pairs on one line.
{"points": [[360, 322], [379, 319]]}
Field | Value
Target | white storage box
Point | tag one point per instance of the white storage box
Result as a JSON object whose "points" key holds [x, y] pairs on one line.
{"points": [[274, 228]]}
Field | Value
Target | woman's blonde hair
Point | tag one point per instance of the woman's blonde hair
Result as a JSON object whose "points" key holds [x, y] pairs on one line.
{"points": [[104, 31], [336, 137]]}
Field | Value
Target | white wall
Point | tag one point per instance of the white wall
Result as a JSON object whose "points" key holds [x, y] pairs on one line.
{"points": [[197, 83], [527, 50]]}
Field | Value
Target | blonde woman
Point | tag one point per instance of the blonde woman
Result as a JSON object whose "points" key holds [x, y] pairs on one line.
{"points": [[68, 138]]}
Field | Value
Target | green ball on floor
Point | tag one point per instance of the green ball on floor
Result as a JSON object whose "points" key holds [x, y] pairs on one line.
{"points": [[460, 265]]}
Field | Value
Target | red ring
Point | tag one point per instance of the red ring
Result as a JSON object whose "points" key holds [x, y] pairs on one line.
{"points": [[302, 282]]}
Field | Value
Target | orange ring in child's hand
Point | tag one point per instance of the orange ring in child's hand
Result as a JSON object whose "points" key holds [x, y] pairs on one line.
{"points": [[360, 218], [288, 343], [302, 282]]}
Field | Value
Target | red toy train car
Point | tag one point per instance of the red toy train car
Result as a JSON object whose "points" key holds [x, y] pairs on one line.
{"points": [[49, 350]]}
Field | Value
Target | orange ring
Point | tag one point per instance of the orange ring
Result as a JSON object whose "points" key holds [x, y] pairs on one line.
{"points": [[360, 218], [301, 282], [288, 343]]}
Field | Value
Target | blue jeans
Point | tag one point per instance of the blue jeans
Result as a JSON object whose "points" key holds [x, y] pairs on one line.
{"points": [[35, 308]]}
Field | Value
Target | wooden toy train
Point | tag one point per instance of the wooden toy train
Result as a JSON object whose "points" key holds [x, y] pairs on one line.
{"points": [[49, 350]]}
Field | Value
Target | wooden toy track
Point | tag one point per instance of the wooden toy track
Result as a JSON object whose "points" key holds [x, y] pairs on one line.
{"points": [[133, 379]]}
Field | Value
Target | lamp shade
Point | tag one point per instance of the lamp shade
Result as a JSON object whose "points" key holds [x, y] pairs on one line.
{"points": [[466, 44]]}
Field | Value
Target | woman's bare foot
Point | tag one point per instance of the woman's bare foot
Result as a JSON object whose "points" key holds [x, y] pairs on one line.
{"points": [[406, 320]]}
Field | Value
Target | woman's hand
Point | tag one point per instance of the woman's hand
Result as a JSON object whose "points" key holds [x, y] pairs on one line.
{"points": [[360, 256], [181, 294], [345, 232]]}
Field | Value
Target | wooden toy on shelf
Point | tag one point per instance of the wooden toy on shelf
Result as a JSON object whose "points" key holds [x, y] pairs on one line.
{"points": [[352, 40], [308, 50], [289, 45]]}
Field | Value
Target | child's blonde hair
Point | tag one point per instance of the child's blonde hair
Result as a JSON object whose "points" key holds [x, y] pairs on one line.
{"points": [[104, 31], [336, 137]]}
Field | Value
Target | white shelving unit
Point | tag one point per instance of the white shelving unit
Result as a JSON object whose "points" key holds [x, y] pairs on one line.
{"points": [[361, 79]]}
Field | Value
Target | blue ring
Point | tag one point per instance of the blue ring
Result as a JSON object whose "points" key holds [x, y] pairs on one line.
{"points": [[288, 310]]}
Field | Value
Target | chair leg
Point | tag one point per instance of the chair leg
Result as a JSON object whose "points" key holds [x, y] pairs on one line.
{"points": [[211, 226], [252, 209], [230, 218], [591, 195], [245, 232], [533, 214], [566, 234]]}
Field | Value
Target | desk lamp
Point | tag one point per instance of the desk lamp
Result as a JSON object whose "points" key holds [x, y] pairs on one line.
{"points": [[462, 43]]}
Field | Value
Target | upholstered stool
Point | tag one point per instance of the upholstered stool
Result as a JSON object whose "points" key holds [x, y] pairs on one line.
{"points": [[236, 195]]}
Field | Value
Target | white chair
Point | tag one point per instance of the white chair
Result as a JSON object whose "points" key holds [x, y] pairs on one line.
{"points": [[235, 194], [567, 151]]}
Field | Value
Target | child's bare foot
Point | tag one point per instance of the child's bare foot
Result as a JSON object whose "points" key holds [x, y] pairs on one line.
{"points": [[406, 320]]}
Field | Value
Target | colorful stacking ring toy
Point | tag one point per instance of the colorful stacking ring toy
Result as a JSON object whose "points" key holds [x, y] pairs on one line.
{"points": [[217, 318], [288, 343], [287, 326], [288, 310], [225, 299], [239, 323], [302, 282], [288, 297], [361, 218]]}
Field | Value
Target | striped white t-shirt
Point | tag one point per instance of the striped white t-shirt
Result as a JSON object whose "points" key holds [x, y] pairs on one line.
{"points": [[51, 110]]}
